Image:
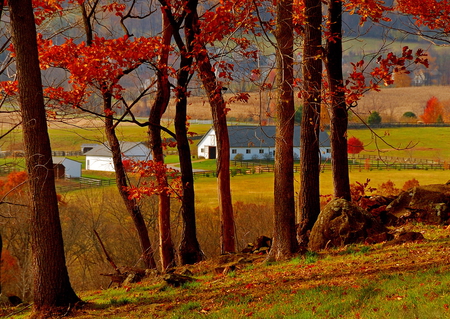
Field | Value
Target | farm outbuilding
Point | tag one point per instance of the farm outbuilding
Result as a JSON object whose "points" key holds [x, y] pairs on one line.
{"points": [[255, 142], [100, 158], [66, 167]]}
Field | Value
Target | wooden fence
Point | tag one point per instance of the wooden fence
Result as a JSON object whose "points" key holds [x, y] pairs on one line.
{"points": [[84, 182]]}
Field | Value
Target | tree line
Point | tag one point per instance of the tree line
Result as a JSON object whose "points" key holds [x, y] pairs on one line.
{"points": [[63, 61]]}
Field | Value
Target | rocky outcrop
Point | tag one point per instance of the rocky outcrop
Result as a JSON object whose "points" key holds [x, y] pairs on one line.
{"points": [[341, 223], [429, 204]]}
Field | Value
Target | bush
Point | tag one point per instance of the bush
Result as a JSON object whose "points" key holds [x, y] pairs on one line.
{"points": [[374, 118], [238, 157], [410, 115]]}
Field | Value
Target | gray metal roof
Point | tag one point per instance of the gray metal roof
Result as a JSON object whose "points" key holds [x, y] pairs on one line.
{"points": [[60, 159], [264, 136], [104, 150]]}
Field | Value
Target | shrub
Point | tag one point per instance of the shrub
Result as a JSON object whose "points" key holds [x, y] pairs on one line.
{"points": [[410, 115], [374, 118], [239, 157]]}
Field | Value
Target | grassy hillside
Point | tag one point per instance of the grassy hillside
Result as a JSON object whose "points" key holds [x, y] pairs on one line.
{"points": [[410, 280]]}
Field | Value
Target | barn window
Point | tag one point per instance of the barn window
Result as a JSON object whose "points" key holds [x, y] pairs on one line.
{"points": [[248, 151], [261, 151], [233, 151], [202, 150]]}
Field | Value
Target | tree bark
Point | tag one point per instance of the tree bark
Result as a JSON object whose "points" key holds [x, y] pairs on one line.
{"points": [[158, 108], [218, 106], [284, 236], [132, 205], [51, 287], [189, 250], [339, 115], [309, 197]]}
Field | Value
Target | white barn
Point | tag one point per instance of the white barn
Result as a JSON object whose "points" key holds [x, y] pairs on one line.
{"points": [[255, 142], [72, 169], [100, 158]]}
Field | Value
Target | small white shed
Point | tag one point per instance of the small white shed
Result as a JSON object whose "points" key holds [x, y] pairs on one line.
{"points": [[72, 169], [100, 158]]}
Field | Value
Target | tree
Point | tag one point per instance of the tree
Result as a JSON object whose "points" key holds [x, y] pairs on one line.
{"points": [[338, 105], [108, 89], [219, 111], [284, 237], [374, 118], [189, 250], [354, 145], [100, 64], [166, 247], [52, 289], [309, 195], [433, 111]]}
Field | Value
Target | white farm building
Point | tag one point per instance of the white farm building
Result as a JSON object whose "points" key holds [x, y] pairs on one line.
{"points": [[100, 158], [66, 167], [255, 142]]}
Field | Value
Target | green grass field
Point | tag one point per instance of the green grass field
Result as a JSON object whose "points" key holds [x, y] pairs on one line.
{"points": [[258, 188], [431, 143]]}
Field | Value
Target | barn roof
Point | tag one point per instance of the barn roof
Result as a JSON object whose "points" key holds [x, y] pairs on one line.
{"points": [[264, 136], [104, 150], [61, 159]]}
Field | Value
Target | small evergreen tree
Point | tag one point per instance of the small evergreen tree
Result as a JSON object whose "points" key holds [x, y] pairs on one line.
{"points": [[374, 118]]}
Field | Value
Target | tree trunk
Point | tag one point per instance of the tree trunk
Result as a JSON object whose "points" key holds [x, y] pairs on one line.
{"points": [[284, 237], [309, 197], [189, 251], [158, 108], [51, 287], [122, 182], [339, 115], [214, 91]]}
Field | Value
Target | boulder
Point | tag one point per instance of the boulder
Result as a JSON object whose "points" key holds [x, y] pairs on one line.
{"points": [[429, 204], [341, 223]]}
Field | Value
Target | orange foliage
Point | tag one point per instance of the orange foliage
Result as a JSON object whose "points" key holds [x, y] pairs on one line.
{"points": [[13, 183], [433, 111], [152, 179], [9, 267], [388, 189], [410, 184]]}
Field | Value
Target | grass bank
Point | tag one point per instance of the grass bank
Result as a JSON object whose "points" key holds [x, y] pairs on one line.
{"points": [[410, 280]]}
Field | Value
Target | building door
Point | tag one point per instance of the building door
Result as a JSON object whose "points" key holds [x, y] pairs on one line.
{"points": [[211, 152]]}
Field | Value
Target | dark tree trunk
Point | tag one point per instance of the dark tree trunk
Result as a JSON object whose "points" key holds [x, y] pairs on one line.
{"points": [[51, 287], [132, 205], [214, 91], [284, 236], [309, 197], [339, 115], [189, 251], [158, 108]]}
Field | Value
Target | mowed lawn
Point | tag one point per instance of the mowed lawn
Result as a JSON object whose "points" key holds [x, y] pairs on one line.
{"points": [[432, 143], [258, 188]]}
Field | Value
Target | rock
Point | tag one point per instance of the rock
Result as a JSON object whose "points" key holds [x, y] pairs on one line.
{"points": [[176, 280], [428, 204], [262, 244], [14, 300], [405, 237], [341, 223]]}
